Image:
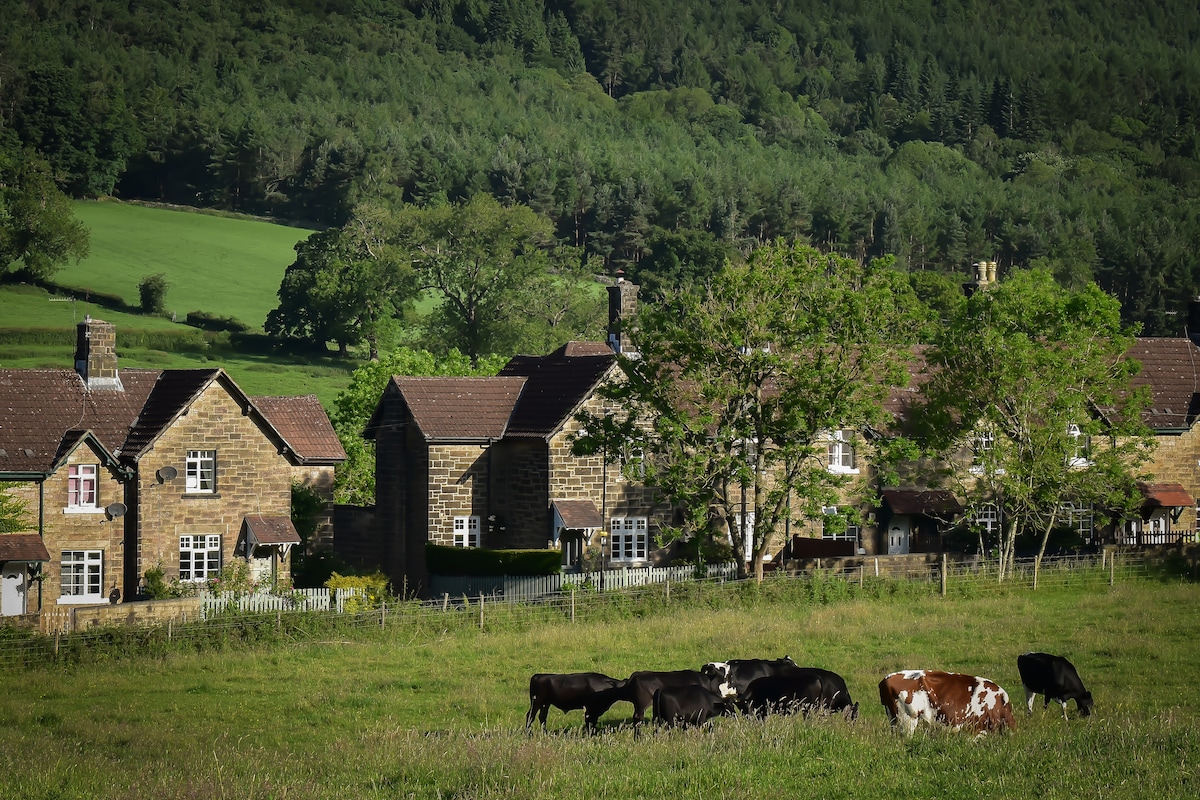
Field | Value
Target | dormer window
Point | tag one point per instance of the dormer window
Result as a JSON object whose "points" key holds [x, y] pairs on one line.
{"points": [[81, 488]]}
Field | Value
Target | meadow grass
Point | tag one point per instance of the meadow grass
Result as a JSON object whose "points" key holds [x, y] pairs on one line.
{"points": [[436, 710]]}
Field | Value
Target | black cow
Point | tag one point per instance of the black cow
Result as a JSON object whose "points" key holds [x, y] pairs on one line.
{"points": [[688, 705], [639, 689], [1054, 678], [567, 692], [737, 673], [803, 689]]}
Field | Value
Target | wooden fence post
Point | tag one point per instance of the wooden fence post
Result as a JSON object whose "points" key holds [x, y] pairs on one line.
{"points": [[861, 569], [668, 583], [944, 574], [1112, 569], [382, 614], [446, 601], [480, 612], [572, 604]]}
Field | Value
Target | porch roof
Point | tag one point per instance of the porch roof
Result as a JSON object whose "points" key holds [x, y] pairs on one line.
{"points": [[578, 514], [267, 530], [23, 547], [1165, 495], [929, 502]]}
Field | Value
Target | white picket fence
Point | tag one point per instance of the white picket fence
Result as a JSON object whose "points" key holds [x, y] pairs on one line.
{"points": [[295, 600], [526, 588]]}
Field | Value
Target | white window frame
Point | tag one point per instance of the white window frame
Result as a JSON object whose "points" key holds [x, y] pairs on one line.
{"points": [[851, 534], [1081, 450], [466, 531], [82, 577], [628, 539], [987, 515], [82, 480], [840, 457], [750, 540], [201, 472], [1080, 519], [203, 557]]}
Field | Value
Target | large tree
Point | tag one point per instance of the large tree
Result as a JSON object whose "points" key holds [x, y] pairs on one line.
{"points": [[38, 228], [736, 387], [348, 285], [1028, 402]]}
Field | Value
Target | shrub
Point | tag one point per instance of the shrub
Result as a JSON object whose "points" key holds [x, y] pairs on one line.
{"points": [[213, 322], [157, 586], [152, 292]]}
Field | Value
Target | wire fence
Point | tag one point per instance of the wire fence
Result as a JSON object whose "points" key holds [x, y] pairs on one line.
{"points": [[417, 621]]}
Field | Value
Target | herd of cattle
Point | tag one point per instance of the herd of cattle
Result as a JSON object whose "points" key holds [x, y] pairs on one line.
{"points": [[760, 686]]}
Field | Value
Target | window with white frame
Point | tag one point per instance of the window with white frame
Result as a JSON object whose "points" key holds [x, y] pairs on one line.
{"points": [[849, 532], [628, 539], [82, 576], [201, 471], [1078, 518], [81, 487], [1080, 452], [840, 452], [987, 517], [466, 531], [199, 556]]}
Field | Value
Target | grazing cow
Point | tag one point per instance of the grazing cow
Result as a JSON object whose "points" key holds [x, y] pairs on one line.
{"points": [[688, 705], [951, 698], [736, 674], [803, 689], [1054, 678], [567, 692], [639, 689]]}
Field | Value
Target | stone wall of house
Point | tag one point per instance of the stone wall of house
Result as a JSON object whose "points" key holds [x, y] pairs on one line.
{"points": [[252, 477], [1176, 459], [319, 479], [458, 487], [520, 503]]}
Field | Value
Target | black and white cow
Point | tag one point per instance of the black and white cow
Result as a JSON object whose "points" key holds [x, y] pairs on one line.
{"points": [[1054, 678], [639, 689], [688, 705], [803, 689], [566, 691], [736, 674]]}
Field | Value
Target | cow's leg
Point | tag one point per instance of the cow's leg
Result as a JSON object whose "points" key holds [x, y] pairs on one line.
{"points": [[532, 713], [1029, 695], [1064, 708]]}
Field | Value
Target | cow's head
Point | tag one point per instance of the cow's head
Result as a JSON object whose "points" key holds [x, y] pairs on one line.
{"points": [[1084, 701], [717, 673]]}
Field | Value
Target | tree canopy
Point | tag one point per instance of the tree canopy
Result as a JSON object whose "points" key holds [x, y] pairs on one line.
{"points": [[737, 386], [38, 229], [1028, 402]]}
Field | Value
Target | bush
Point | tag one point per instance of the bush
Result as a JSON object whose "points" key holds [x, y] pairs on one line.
{"points": [[444, 560], [152, 292], [212, 322]]}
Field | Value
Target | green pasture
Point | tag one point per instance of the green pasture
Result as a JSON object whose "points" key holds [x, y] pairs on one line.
{"points": [[436, 709], [224, 265]]}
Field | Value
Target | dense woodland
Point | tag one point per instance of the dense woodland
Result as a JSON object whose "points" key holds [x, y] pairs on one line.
{"points": [[656, 136]]}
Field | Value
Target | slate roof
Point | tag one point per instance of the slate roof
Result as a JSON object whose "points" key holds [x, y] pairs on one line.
{"points": [[39, 407], [271, 529], [304, 425], [1170, 368], [460, 408], [556, 385], [22, 547]]}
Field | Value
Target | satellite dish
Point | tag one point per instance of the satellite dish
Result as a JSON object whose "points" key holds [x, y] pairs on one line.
{"points": [[167, 474], [116, 510]]}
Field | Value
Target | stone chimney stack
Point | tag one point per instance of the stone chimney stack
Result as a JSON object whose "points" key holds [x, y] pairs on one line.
{"points": [[622, 307], [1193, 320], [96, 354]]}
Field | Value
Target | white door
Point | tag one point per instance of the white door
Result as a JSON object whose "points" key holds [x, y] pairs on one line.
{"points": [[12, 589], [898, 536]]}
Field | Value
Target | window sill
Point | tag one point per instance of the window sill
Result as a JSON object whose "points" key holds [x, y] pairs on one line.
{"points": [[82, 600], [843, 470], [200, 496], [83, 510]]}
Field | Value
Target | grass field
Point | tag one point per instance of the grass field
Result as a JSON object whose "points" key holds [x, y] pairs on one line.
{"points": [[438, 712]]}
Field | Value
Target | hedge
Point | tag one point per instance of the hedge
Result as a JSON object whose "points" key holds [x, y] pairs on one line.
{"points": [[444, 560]]}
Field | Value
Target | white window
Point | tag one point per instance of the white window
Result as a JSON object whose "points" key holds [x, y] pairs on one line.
{"points": [[850, 534], [841, 452], [749, 540], [1079, 518], [81, 487], [987, 517], [82, 576], [1080, 455], [466, 531], [628, 539], [199, 557], [201, 471]]}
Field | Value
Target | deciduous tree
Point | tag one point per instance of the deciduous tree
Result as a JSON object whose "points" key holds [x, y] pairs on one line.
{"points": [[736, 386], [38, 228]]}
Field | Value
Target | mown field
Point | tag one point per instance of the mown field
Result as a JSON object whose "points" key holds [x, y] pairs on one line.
{"points": [[225, 266], [437, 710]]}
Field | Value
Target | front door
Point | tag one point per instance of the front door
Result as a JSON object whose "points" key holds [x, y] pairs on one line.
{"points": [[12, 589], [898, 536]]}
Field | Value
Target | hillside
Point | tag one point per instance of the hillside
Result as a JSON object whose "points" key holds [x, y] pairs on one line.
{"points": [[656, 135]]}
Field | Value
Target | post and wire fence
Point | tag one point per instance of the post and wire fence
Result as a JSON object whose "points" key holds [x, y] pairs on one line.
{"points": [[314, 615]]}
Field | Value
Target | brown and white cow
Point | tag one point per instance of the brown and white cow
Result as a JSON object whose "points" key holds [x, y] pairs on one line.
{"points": [[949, 698]]}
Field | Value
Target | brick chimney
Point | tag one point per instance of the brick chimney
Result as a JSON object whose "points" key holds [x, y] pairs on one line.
{"points": [[96, 354], [622, 307]]}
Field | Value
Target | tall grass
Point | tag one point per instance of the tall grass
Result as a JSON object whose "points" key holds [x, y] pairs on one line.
{"points": [[435, 707]]}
